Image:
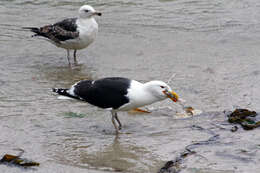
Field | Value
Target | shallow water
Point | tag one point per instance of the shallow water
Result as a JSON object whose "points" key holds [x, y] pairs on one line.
{"points": [[212, 48]]}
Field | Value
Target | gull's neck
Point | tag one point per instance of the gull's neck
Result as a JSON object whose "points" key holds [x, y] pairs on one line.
{"points": [[140, 95], [88, 24]]}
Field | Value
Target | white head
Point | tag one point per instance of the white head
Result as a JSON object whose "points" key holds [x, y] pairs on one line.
{"points": [[161, 90], [86, 11]]}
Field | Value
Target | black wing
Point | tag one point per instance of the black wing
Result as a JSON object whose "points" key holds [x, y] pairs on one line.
{"points": [[104, 93], [60, 31]]}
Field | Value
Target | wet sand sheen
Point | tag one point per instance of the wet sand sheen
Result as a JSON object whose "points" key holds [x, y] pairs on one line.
{"points": [[212, 47]]}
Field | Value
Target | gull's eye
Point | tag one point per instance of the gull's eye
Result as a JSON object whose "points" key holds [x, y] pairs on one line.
{"points": [[162, 86], [86, 11]]}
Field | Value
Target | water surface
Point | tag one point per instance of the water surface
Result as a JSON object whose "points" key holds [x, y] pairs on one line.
{"points": [[212, 48]]}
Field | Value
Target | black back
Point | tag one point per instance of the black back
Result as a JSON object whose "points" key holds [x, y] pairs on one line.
{"points": [[104, 93]]}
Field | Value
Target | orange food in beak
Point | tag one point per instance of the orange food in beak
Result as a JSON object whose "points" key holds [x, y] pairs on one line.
{"points": [[172, 95]]}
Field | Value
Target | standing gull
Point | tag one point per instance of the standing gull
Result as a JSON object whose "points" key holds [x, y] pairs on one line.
{"points": [[72, 33], [118, 94]]}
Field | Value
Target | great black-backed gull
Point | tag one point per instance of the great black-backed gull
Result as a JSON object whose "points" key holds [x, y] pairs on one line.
{"points": [[118, 94], [72, 33]]}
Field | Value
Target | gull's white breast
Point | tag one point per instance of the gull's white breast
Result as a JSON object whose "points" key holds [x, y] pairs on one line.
{"points": [[88, 29], [138, 96]]}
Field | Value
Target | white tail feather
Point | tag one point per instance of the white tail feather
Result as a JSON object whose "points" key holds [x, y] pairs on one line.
{"points": [[64, 98]]}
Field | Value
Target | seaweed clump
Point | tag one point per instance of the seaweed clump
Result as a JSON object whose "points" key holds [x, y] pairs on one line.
{"points": [[246, 118], [17, 161], [174, 166]]}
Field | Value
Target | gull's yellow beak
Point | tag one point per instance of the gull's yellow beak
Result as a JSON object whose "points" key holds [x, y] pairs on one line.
{"points": [[172, 95]]}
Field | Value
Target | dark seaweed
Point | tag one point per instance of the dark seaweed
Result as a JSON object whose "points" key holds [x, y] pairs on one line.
{"points": [[17, 161], [246, 118]]}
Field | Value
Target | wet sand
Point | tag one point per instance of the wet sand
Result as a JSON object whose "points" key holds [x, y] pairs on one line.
{"points": [[212, 48]]}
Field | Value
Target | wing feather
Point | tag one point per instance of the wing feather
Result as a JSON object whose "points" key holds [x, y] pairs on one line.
{"points": [[60, 31], [104, 93]]}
